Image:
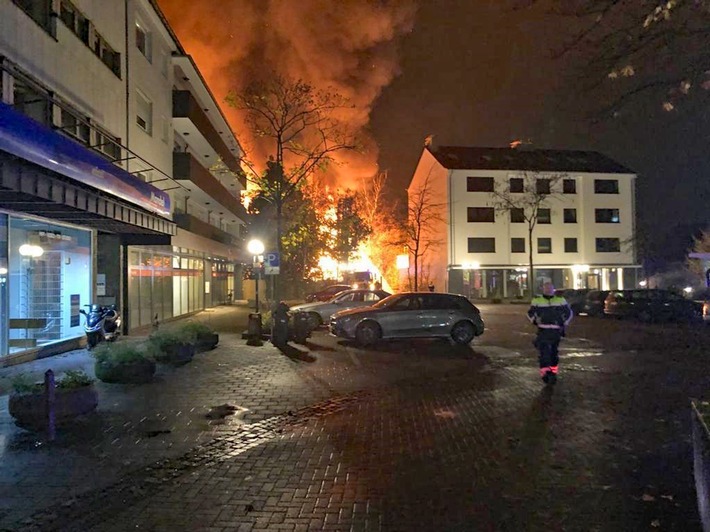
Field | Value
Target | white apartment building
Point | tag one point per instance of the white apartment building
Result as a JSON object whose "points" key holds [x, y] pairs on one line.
{"points": [[582, 238], [109, 140]]}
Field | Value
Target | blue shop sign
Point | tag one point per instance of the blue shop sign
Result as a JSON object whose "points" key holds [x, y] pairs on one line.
{"points": [[30, 140]]}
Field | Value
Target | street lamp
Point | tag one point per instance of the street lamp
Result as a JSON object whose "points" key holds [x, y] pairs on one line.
{"points": [[256, 248]]}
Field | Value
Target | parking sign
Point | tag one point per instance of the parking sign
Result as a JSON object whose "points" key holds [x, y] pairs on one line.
{"points": [[271, 263]]}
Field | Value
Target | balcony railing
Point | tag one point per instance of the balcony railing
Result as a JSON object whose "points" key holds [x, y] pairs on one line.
{"points": [[188, 222], [186, 106]]}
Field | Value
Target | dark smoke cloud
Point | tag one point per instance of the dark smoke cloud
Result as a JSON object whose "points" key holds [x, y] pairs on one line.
{"points": [[346, 45]]}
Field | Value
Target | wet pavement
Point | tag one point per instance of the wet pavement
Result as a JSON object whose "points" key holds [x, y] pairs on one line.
{"points": [[406, 436]]}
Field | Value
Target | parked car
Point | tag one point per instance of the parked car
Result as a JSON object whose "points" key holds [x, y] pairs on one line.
{"points": [[574, 296], [320, 312], [652, 305], [593, 303], [328, 293], [411, 315]]}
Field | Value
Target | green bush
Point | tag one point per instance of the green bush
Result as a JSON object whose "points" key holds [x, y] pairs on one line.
{"points": [[116, 353], [163, 340], [192, 330], [72, 379], [496, 300]]}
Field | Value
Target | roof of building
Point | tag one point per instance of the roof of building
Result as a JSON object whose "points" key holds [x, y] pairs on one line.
{"points": [[472, 158]]}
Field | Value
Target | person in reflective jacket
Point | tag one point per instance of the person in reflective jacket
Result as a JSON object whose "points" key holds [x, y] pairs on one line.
{"points": [[551, 314]]}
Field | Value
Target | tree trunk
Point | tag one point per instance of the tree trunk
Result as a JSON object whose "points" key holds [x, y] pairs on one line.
{"points": [[531, 274]]}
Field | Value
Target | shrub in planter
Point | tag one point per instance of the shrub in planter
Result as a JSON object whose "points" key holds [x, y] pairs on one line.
{"points": [[123, 362], [170, 347], [74, 396], [199, 334]]}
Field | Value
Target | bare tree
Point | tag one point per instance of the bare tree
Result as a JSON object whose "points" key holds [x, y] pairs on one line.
{"points": [[636, 47], [297, 125], [528, 204], [420, 237]]}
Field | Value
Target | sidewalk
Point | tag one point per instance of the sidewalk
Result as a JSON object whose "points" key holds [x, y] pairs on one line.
{"points": [[134, 425]]}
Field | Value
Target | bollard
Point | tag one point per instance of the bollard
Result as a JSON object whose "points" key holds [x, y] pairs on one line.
{"points": [[301, 327], [279, 325], [254, 329], [49, 403]]}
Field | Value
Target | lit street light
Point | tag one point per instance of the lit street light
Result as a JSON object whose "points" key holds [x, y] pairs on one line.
{"points": [[256, 248]]}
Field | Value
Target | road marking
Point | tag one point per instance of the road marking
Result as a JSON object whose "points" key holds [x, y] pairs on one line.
{"points": [[580, 354]]}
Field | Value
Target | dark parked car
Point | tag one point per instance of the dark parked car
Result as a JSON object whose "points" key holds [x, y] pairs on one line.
{"points": [[328, 293], [411, 315], [593, 303], [319, 312], [652, 305], [574, 296]]}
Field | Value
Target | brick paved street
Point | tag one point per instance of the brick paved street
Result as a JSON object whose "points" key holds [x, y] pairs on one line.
{"points": [[406, 436]]}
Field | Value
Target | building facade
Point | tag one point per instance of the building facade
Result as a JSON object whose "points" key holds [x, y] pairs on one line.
{"points": [[119, 175], [480, 241]]}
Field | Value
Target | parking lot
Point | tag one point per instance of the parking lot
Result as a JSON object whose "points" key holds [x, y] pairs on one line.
{"points": [[406, 435]]}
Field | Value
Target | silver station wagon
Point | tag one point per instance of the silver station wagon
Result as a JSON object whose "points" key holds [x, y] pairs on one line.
{"points": [[411, 315]]}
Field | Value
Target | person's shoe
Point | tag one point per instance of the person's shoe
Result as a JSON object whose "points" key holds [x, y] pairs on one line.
{"points": [[551, 378], [546, 377]]}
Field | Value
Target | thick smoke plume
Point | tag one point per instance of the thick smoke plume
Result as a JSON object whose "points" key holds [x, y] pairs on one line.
{"points": [[344, 45]]}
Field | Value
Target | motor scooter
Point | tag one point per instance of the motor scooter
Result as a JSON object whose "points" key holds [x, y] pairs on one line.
{"points": [[103, 323]]}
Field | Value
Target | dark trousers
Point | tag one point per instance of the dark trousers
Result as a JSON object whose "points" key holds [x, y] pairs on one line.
{"points": [[547, 343]]}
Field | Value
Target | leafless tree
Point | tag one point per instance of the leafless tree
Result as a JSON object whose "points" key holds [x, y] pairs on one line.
{"points": [[420, 236], [537, 190]]}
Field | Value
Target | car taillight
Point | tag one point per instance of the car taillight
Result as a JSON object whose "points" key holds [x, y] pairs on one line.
{"points": [[706, 308]]}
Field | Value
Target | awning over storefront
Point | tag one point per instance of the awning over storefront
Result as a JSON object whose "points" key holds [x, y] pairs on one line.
{"points": [[27, 139], [27, 188]]}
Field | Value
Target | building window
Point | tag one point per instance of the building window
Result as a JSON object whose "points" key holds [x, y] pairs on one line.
{"points": [[108, 145], [570, 216], [544, 216], [517, 216], [31, 101], [108, 56], [41, 12], [481, 245], [481, 214], [569, 186], [544, 245], [74, 20], [606, 186], [144, 113], [542, 186], [80, 26], [608, 245], [517, 185], [606, 216], [517, 245], [479, 184], [570, 245], [143, 40], [75, 126]]}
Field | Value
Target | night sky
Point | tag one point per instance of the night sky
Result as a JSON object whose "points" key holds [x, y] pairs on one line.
{"points": [[469, 73]]}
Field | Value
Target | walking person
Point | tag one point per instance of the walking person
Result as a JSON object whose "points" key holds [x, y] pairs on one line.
{"points": [[551, 314]]}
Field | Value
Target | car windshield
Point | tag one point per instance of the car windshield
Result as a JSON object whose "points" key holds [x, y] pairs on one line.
{"points": [[388, 301]]}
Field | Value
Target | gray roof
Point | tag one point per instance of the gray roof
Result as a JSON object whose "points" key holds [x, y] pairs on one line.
{"points": [[470, 158]]}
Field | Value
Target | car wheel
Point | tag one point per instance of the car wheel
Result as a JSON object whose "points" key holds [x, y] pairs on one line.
{"points": [[368, 333], [462, 333], [314, 320]]}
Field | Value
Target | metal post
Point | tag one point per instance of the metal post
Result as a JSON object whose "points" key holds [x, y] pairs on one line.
{"points": [[258, 278], [49, 403]]}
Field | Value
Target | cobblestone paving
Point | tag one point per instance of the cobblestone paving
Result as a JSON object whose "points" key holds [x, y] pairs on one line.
{"points": [[410, 436]]}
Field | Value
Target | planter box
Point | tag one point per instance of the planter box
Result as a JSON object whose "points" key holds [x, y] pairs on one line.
{"points": [[136, 372], [30, 409], [176, 354], [206, 342], [701, 463]]}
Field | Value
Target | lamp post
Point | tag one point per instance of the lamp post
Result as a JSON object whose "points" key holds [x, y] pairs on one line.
{"points": [[256, 248]]}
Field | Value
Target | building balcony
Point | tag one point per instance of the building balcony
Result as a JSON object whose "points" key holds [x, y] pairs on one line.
{"points": [[188, 222], [190, 118], [190, 173]]}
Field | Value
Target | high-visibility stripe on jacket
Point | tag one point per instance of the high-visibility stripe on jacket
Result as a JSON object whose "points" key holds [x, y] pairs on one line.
{"points": [[550, 312]]}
